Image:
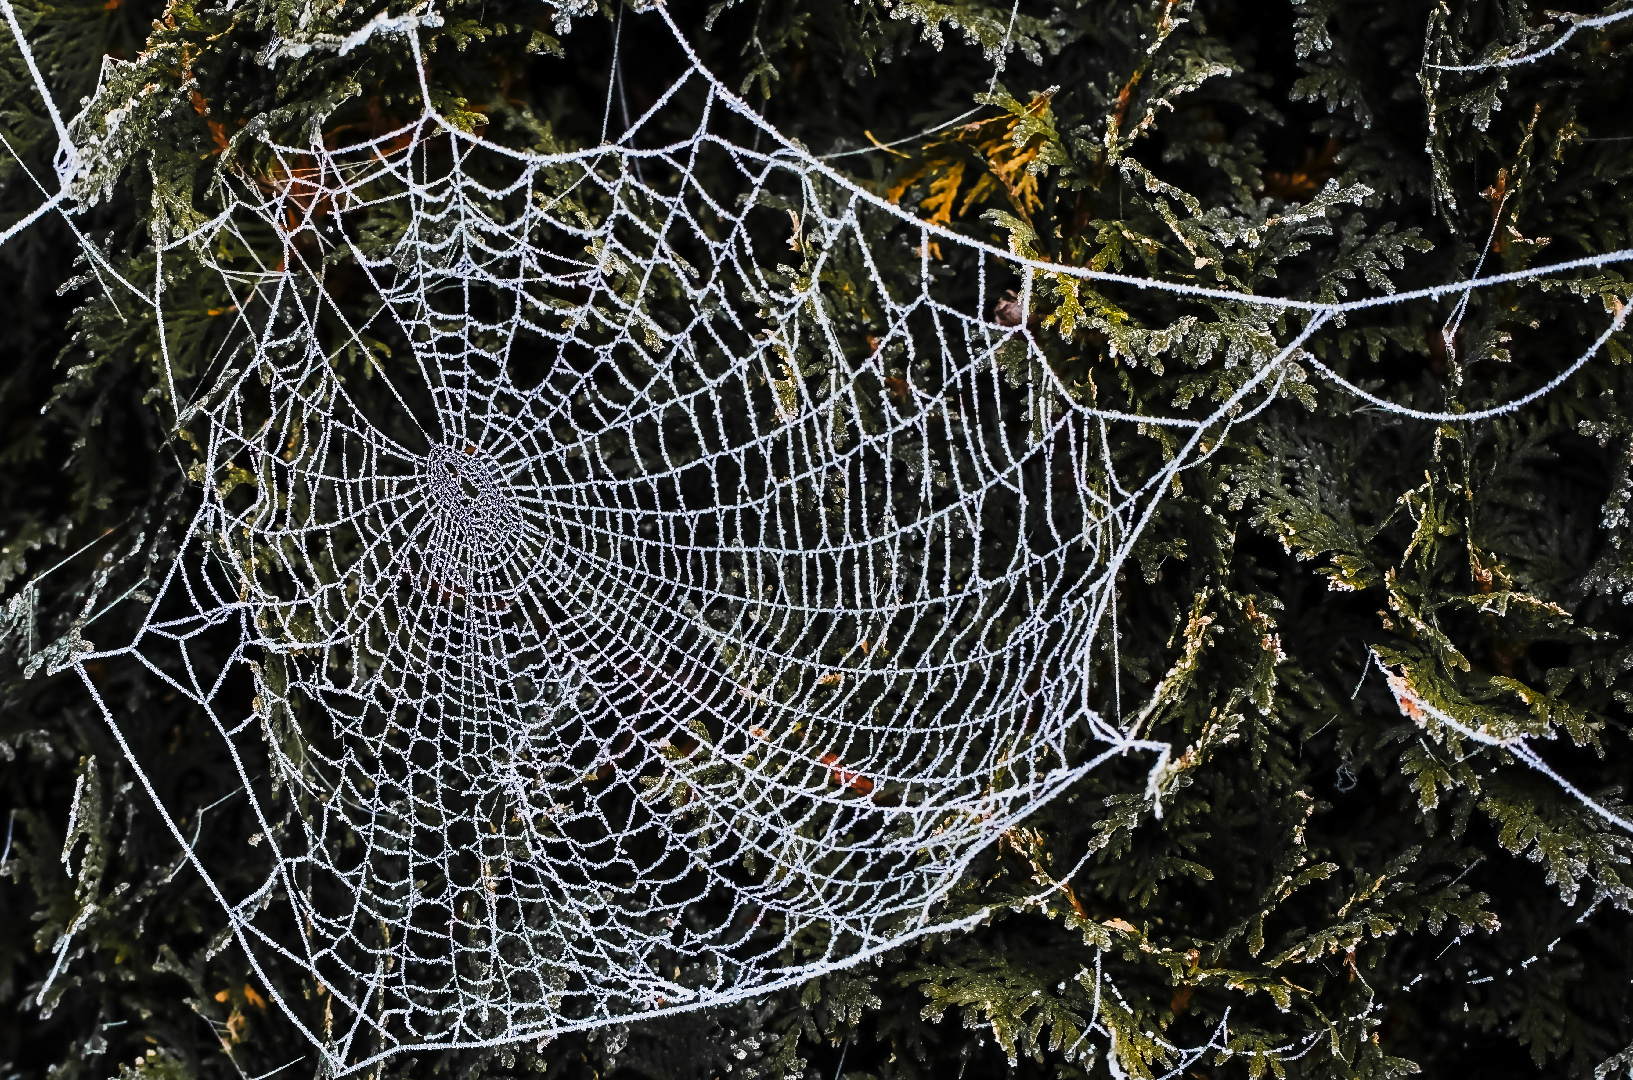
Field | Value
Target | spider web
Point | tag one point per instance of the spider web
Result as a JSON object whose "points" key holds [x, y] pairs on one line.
{"points": [[633, 639]]}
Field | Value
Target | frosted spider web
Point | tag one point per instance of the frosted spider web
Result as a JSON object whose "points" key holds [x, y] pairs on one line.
{"points": [[638, 641]]}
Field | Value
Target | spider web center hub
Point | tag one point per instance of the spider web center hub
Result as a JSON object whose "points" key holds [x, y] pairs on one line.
{"points": [[475, 540]]}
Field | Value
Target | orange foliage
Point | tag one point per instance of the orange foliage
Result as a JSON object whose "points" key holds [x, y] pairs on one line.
{"points": [[1307, 179], [987, 149], [845, 778]]}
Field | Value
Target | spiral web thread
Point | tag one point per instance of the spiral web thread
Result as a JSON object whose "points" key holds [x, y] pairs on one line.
{"points": [[654, 645]]}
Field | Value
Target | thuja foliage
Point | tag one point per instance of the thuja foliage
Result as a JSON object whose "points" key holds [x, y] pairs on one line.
{"points": [[1323, 878]]}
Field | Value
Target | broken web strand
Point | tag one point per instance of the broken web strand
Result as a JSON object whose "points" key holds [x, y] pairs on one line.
{"points": [[222, 603]]}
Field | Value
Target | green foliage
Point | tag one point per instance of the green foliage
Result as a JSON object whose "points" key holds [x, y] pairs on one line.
{"points": [[1324, 878]]}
